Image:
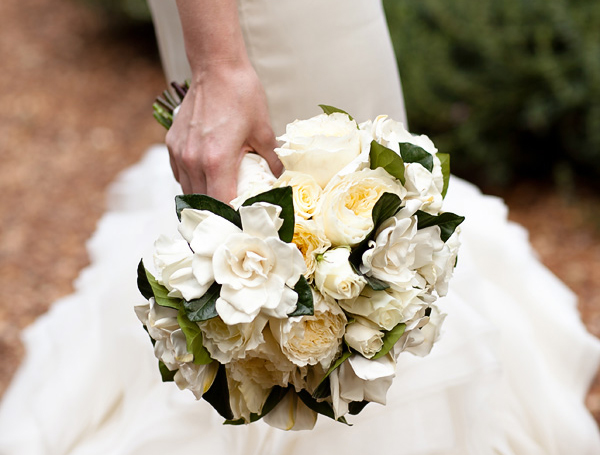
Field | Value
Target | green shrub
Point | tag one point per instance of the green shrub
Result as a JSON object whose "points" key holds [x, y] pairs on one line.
{"points": [[509, 87], [123, 10]]}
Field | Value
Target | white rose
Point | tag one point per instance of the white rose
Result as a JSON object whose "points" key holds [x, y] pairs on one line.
{"points": [[306, 192], [386, 308], [360, 379], [364, 337], [347, 203], [254, 177], [392, 255], [335, 277], [311, 241], [196, 378], [311, 340], [320, 146], [226, 342]]}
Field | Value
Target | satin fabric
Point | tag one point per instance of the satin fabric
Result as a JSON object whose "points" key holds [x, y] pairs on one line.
{"points": [[508, 376]]}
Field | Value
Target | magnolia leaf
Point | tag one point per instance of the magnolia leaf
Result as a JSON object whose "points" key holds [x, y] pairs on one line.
{"points": [[376, 284], [166, 374], [330, 110], [356, 407], [448, 222], [204, 202], [283, 197], [218, 394], [143, 283], [386, 207], [322, 389], [412, 153], [381, 156], [320, 407], [204, 308], [276, 395], [305, 305], [193, 338], [159, 292], [445, 162], [389, 340]]}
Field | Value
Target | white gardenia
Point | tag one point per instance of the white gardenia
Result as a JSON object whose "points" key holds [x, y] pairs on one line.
{"points": [[364, 337], [311, 340], [335, 277], [421, 333], [173, 261], [320, 146], [255, 268], [306, 192], [347, 204], [386, 308], [196, 378], [439, 270]]}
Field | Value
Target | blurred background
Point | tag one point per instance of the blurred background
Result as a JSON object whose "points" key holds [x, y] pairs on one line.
{"points": [[511, 89]]}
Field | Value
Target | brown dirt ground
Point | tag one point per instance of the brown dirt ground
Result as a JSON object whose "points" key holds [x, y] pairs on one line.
{"points": [[75, 96]]}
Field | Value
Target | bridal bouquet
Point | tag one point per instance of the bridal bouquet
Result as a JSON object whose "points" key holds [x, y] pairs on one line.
{"points": [[297, 299]]}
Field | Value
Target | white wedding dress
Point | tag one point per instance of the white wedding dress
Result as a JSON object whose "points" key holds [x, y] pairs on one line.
{"points": [[509, 375]]}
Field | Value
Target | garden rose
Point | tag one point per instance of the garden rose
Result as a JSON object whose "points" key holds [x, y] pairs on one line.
{"points": [[347, 203], [311, 340], [320, 146], [306, 192], [335, 277], [311, 241]]}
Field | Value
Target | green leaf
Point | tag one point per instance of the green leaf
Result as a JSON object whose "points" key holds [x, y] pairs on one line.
{"points": [[330, 110], [320, 407], [376, 284], [389, 340], [276, 395], [322, 389], [386, 207], [356, 407], [305, 305], [143, 283], [218, 394], [448, 222], [166, 374], [284, 198], [412, 153], [193, 338], [445, 161], [160, 293], [381, 156], [204, 202], [201, 309]]}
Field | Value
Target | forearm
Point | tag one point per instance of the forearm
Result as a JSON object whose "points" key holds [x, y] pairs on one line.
{"points": [[212, 34]]}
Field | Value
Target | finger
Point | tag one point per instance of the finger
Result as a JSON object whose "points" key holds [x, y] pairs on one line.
{"points": [[267, 151], [221, 178], [174, 166]]}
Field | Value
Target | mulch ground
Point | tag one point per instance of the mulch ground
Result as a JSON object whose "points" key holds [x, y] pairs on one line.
{"points": [[75, 97]]}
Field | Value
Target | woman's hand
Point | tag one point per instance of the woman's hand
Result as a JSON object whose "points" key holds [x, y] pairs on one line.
{"points": [[223, 116]]}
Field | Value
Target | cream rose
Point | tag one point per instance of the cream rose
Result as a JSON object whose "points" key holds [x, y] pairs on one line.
{"points": [[311, 340], [335, 277], [364, 337], [226, 342], [347, 203], [306, 192], [311, 241], [320, 146]]}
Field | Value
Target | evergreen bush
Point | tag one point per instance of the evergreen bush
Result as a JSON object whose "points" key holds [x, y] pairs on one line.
{"points": [[508, 87]]}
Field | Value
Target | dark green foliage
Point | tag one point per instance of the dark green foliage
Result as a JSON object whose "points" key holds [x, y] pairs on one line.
{"points": [[509, 88], [123, 10]]}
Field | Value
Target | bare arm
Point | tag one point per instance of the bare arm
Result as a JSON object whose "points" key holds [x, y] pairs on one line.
{"points": [[224, 115]]}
